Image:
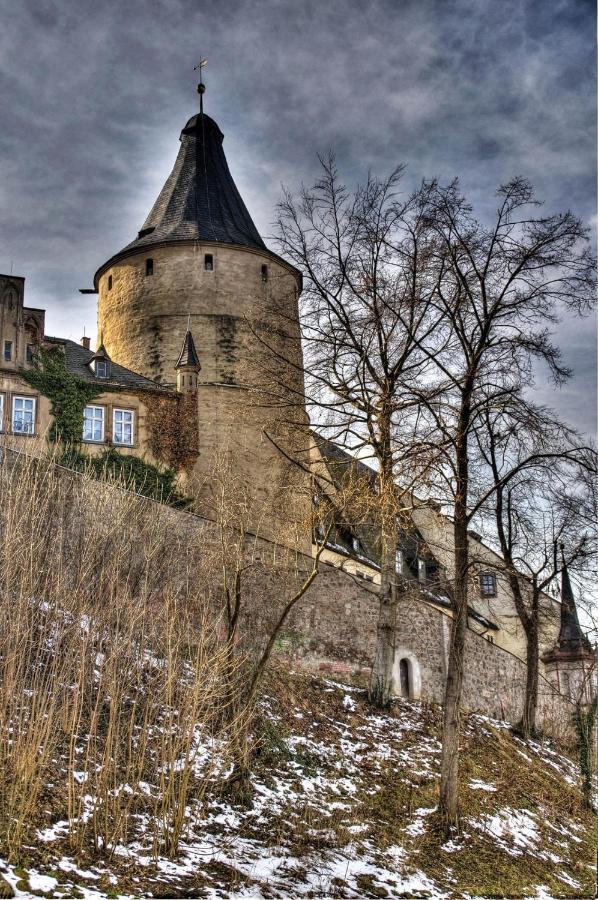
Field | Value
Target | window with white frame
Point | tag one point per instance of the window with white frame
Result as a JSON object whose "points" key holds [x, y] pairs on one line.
{"points": [[1, 412], [421, 569], [100, 368], [93, 423], [23, 415], [399, 561], [122, 427]]}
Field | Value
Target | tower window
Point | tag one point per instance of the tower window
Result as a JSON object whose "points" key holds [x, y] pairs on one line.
{"points": [[488, 584], [30, 353], [149, 267], [208, 262], [7, 351], [421, 569], [264, 273], [110, 282]]}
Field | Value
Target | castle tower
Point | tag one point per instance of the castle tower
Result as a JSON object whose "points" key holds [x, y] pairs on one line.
{"points": [[571, 664], [199, 262]]}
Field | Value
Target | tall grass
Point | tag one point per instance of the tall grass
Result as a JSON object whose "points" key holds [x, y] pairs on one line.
{"points": [[111, 683]]}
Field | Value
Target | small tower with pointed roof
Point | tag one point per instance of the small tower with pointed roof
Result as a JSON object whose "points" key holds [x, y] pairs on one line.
{"points": [[572, 663], [187, 366]]}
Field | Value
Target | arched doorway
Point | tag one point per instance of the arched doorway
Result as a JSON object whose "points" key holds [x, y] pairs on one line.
{"points": [[407, 675], [404, 678]]}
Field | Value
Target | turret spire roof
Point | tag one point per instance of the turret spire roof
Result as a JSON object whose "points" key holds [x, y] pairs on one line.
{"points": [[199, 200], [188, 356], [571, 637]]}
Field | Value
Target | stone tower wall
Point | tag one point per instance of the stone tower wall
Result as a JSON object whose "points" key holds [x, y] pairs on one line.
{"points": [[244, 329]]}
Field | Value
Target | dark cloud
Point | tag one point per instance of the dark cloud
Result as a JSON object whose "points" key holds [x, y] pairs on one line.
{"points": [[94, 96]]}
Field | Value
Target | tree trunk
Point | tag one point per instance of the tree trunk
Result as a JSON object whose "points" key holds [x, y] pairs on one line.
{"points": [[528, 719], [381, 693], [448, 807]]}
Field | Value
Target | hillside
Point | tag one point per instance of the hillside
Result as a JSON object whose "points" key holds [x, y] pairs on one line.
{"points": [[342, 806]]}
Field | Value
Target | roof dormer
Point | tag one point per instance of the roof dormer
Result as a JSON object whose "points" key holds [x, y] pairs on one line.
{"points": [[100, 363]]}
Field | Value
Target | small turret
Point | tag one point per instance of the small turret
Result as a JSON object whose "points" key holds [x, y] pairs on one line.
{"points": [[188, 366], [571, 663]]}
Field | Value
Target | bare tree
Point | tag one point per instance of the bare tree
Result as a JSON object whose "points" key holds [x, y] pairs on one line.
{"points": [[254, 585], [367, 308], [499, 290], [548, 503]]}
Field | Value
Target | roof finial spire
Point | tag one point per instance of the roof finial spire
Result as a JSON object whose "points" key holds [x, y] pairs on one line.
{"points": [[201, 88]]}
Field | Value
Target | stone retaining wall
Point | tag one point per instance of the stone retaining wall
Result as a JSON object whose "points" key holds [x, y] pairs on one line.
{"points": [[333, 627]]}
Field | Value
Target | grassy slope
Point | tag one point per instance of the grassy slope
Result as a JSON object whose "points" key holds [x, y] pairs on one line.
{"points": [[343, 806]]}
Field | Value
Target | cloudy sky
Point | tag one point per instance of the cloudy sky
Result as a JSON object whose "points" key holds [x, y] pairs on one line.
{"points": [[95, 94]]}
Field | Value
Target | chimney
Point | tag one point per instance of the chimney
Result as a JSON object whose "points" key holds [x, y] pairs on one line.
{"points": [[86, 342]]}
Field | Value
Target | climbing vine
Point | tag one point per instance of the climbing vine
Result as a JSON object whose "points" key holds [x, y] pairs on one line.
{"points": [[130, 472], [67, 393]]}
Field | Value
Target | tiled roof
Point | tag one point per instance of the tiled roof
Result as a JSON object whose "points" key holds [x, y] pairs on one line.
{"points": [[78, 359], [200, 200], [341, 464], [571, 637], [188, 355]]}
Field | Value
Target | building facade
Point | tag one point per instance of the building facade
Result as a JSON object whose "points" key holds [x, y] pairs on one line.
{"points": [[199, 362]]}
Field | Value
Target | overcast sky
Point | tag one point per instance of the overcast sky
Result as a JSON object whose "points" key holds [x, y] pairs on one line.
{"points": [[94, 95]]}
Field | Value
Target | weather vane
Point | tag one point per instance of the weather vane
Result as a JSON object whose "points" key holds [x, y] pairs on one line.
{"points": [[201, 86]]}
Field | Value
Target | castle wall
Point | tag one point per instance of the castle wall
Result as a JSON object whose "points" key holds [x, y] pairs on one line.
{"points": [[332, 629]]}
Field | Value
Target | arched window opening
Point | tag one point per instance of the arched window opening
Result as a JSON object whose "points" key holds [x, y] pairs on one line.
{"points": [[404, 678]]}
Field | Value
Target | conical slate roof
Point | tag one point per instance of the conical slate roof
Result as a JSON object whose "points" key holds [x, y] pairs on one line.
{"points": [[200, 200], [571, 637], [188, 356]]}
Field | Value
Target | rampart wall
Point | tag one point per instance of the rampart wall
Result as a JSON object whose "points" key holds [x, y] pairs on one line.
{"points": [[333, 627]]}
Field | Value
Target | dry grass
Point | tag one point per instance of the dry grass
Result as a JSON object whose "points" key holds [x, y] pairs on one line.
{"points": [[110, 674]]}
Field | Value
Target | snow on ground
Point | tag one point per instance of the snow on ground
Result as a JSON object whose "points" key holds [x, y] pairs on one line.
{"points": [[343, 805]]}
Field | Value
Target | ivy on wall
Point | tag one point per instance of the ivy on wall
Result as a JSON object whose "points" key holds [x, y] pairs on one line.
{"points": [[173, 429], [130, 472], [67, 393]]}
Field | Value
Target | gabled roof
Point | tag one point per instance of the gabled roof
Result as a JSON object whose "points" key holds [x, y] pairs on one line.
{"points": [[341, 466], [78, 360], [199, 200], [100, 354]]}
